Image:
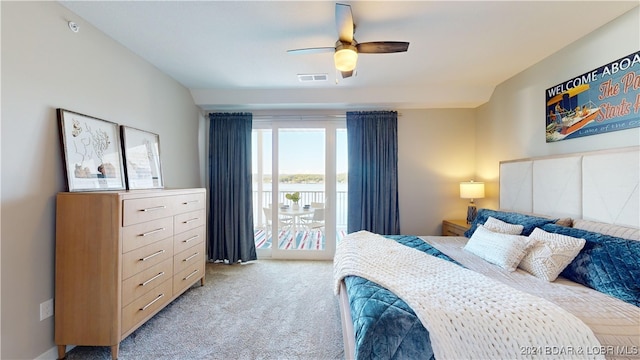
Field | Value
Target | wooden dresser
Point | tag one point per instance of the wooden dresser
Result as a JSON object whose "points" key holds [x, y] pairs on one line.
{"points": [[454, 227], [121, 257]]}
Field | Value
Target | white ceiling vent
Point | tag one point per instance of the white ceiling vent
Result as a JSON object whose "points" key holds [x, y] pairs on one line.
{"points": [[312, 77]]}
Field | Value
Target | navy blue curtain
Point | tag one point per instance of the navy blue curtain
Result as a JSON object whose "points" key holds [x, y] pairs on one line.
{"points": [[373, 172], [230, 205]]}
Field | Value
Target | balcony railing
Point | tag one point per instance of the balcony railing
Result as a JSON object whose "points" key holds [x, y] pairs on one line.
{"points": [[306, 197]]}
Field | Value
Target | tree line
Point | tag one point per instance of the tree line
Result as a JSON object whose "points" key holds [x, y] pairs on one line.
{"points": [[304, 178]]}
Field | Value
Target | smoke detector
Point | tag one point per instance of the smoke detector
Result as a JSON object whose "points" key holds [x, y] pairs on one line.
{"points": [[73, 26]]}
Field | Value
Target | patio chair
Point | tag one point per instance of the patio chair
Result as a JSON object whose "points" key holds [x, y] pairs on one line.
{"points": [[316, 222], [283, 222], [314, 205]]}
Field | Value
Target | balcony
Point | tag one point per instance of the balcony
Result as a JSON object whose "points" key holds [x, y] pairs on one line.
{"points": [[302, 238]]}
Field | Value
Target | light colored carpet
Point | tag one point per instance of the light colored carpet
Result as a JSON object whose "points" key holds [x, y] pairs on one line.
{"points": [[267, 309]]}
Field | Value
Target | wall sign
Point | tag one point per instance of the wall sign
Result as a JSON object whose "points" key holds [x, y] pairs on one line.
{"points": [[600, 101]]}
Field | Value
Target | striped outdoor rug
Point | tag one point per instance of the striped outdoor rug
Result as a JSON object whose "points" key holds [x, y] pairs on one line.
{"points": [[303, 240]]}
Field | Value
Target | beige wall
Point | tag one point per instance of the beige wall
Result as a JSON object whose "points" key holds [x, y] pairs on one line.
{"points": [[45, 66], [511, 124], [435, 152]]}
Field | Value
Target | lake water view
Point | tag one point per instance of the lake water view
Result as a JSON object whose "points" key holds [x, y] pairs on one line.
{"points": [[288, 187]]}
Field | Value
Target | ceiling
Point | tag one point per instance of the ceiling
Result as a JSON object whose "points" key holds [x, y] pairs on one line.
{"points": [[232, 55]]}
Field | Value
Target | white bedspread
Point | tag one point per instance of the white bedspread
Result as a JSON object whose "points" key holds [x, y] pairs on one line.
{"points": [[614, 322], [467, 314]]}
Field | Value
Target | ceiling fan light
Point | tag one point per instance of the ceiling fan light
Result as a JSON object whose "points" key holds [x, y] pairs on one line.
{"points": [[345, 59]]}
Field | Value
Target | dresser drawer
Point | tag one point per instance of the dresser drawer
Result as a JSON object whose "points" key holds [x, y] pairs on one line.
{"points": [[145, 281], [188, 221], [188, 202], [147, 304], [188, 257], [188, 239], [139, 235], [136, 211], [145, 257], [187, 277]]}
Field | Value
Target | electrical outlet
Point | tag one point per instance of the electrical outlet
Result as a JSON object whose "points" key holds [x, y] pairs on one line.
{"points": [[46, 309]]}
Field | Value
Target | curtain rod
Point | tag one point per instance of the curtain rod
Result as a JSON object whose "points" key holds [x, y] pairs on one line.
{"points": [[300, 117], [268, 116], [276, 116]]}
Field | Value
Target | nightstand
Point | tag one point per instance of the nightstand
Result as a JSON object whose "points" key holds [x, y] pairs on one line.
{"points": [[454, 227]]}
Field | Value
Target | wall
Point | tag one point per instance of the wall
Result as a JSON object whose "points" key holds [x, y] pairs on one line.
{"points": [[512, 124], [435, 152], [45, 66]]}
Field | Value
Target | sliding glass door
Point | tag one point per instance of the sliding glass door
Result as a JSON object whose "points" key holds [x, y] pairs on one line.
{"points": [[299, 212]]}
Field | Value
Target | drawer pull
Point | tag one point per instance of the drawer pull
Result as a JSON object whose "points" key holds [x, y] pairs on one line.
{"points": [[152, 255], [152, 232], [190, 202], [191, 239], [190, 220], [154, 208], [190, 275], [192, 256], [151, 303], [153, 278]]}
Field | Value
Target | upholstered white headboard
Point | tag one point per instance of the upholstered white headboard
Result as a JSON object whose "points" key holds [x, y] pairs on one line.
{"points": [[599, 186]]}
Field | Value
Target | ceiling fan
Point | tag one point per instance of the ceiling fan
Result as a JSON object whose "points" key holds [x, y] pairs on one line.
{"points": [[347, 48]]}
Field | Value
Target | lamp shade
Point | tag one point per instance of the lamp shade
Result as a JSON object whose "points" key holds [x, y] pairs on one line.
{"points": [[345, 58], [471, 190]]}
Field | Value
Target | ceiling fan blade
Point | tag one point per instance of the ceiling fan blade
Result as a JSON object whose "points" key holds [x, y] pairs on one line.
{"points": [[346, 74], [344, 23], [382, 47], [311, 50]]}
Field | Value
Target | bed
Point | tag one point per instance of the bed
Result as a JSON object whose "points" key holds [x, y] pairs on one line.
{"points": [[433, 297]]}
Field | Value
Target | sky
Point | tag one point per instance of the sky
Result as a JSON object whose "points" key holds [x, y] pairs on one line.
{"points": [[302, 151]]}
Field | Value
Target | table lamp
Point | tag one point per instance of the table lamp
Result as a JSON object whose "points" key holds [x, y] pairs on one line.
{"points": [[471, 190]]}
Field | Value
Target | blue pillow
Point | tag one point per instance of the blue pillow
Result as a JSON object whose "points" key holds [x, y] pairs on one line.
{"points": [[528, 221], [605, 263]]}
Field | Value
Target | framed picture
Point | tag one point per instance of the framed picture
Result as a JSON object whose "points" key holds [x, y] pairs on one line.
{"points": [[142, 158], [91, 152]]}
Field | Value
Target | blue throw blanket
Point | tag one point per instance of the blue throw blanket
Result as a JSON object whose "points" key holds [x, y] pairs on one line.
{"points": [[385, 326]]}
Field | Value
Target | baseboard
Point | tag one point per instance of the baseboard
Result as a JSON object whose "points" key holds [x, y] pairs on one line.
{"points": [[52, 354]]}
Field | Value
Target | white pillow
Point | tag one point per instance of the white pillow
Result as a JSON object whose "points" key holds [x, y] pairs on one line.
{"points": [[607, 229], [500, 226], [504, 250], [550, 254]]}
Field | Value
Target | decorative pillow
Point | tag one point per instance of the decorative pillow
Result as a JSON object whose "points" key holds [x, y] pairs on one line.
{"points": [[608, 229], [502, 227], [550, 254], [504, 250], [566, 221], [605, 263], [528, 221]]}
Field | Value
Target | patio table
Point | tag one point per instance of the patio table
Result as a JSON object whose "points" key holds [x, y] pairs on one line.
{"points": [[296, 214]]}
